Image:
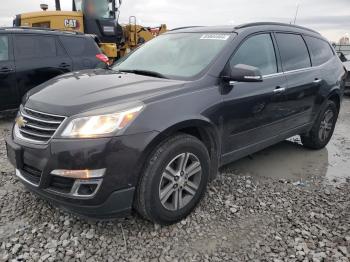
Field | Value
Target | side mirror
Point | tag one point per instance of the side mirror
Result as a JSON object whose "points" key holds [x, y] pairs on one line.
{"points": [[244, 73]]}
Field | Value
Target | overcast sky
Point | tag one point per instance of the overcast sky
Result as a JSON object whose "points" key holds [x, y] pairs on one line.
{"points": [[331, 18]]}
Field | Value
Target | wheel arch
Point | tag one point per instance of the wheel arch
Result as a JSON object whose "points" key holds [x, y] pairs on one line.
{"points": [[205, 131], [335, 96]]}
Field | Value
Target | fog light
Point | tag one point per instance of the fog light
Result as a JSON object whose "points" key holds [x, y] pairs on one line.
{"points": [[79, 174], [87, 189]]}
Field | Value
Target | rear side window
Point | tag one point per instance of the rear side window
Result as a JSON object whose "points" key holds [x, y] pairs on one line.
{"points": [[4, 48], [293, 51], [320, 50], [79, 46], [34, 46], [257, 51]]}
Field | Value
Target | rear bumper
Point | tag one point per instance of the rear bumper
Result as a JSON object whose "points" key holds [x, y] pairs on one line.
{"points": [[347, 81]]}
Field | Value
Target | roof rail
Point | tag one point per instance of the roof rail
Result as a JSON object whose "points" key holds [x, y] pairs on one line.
{"points": [[274, 23], [185, 27], [41, 29]]}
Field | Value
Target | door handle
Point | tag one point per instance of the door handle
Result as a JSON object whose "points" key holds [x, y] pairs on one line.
{"points": [[64, 65], [279, 90], [317, 81], [5, 70]]}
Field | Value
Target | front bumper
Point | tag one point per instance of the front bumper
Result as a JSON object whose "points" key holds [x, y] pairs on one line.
{"points": [[121, 157]]}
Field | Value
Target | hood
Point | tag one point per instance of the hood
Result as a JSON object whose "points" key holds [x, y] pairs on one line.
{"points": [[82, 91]]}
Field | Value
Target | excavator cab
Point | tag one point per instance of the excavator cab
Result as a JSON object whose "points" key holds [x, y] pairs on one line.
{"points": [[95, 8], [100, 18]]}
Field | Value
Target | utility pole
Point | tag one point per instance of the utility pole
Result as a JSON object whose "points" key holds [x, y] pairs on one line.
{"points": [[296, 13]]}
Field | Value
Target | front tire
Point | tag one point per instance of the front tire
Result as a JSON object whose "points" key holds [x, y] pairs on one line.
{"points": [[174, 180], [322, 130]]}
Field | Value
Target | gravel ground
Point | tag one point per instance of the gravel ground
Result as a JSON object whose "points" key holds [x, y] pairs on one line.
{"points": [[282, 204]]}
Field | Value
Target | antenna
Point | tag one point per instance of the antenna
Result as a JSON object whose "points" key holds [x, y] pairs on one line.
{"points": [[296, 13]]}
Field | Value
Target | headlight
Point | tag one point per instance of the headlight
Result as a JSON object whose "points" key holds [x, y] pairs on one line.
{"points": [[93, 126]]}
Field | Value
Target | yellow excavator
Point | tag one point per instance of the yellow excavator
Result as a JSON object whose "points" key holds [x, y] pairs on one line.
{"points": [[96, 17]]}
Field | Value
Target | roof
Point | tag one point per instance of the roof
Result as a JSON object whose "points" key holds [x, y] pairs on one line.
{"points": [[51, 14], [231, 29], [275, 24], [38, 30], [200, 29]]}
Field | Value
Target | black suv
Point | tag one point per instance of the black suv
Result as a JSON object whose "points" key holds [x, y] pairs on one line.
{"points": [[29, 57], [149, 133]]}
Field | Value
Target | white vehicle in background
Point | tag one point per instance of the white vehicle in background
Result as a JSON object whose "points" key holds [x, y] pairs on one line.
{"points": [[343, 52], [346, 62]]}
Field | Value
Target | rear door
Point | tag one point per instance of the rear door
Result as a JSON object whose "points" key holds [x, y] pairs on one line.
{"points": [[304, 81], [321, 55], [38, 59], [8, 92], [82, 50]]}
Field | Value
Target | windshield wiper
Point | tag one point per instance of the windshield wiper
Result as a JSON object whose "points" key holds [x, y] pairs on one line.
{"points": [[144, 72]]}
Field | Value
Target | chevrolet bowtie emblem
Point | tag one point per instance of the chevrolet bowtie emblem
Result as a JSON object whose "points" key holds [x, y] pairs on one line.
{"points": [[21, 122]]}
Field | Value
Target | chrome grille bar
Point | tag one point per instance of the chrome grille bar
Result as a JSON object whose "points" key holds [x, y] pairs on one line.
{"points": [[33, 134], [41, 128], [38, 127], [39, 120]]}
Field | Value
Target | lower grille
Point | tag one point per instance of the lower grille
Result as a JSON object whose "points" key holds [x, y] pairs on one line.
{"points": [[61, 184], [37, 127], [31, 174]]}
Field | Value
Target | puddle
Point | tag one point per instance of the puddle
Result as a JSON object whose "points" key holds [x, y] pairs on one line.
{"points": [[290, 160]]}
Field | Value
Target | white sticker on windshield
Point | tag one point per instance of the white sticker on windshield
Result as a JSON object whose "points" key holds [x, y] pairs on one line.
{"points": [[215, 37]]}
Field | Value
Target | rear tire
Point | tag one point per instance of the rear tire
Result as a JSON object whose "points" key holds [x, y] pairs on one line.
{"points": [[322, 130], [174, 180]]}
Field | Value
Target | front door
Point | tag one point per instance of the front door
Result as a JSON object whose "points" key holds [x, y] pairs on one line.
{"points": [[251, 111], [8, 93]]}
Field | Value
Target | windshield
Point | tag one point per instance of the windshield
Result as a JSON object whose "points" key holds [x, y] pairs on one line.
{"points": [[182, 55], [95, 8]]}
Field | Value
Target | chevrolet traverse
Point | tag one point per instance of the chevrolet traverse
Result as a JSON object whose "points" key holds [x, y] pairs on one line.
{"points": [[149, 133]]}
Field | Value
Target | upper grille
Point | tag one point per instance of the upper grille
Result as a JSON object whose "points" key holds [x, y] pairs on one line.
{"points": [[38, 127]]}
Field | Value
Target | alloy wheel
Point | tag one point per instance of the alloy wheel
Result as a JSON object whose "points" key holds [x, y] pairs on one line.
{"points": [[326, 125], [180, 181]]}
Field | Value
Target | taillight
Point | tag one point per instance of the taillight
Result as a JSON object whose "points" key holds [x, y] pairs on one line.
{"points": [[103, 58]]}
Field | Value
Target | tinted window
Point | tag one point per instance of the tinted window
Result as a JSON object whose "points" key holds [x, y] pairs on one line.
{"points": [[293, 51], [47, 46], [4, 48], [320, 50], [78, 46], [33, 46], [257, 51], [60, 49]]}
